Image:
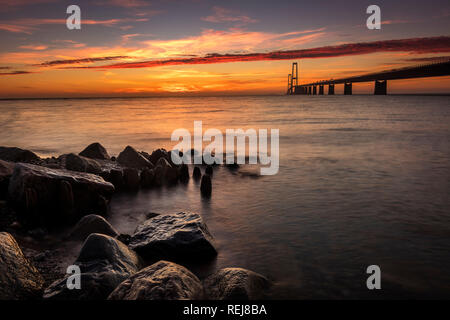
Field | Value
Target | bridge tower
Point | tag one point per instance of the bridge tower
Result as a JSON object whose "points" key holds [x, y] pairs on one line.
{"points": [[294, 77], [289, 88], [380, 87], [321, 89], [347, 88], [331, 88]]}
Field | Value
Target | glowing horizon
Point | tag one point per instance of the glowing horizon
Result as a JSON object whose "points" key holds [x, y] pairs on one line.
{"points": [[130, 49]]}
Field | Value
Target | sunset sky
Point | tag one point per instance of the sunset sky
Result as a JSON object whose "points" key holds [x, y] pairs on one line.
{"points": [[140, 48]]}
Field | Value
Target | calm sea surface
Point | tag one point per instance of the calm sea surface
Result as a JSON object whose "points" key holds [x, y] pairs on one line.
{"points": [[363, 180]]}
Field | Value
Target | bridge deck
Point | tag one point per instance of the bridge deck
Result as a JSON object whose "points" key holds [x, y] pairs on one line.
{"points": [[430, 70]]}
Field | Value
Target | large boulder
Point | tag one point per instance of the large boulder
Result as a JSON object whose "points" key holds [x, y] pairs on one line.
{"points": [[183, 173], [95, 151], [19, 279], [14, 154], [104, 263], [6, 171], [162, 280], [235, 284], [180, 236], [129, 157], [43, 195], [78, 163], [92, 223]]}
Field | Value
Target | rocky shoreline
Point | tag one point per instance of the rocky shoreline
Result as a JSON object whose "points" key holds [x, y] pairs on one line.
{"points": [[46, 201]]}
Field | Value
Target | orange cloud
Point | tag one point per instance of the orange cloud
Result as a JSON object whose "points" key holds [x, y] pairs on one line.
{"points": [[414, 45]]}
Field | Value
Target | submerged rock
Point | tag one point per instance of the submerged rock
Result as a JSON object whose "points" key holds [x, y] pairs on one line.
{"points": [[184, 173], [129, 157], [14, 154], [104, 263], [197, 173], [6, 171], [116, 178], [180, 236], [235, 284], [95, 151], [209, 170], [206, 185], [19, 279], [92, 223], [44, 195], [162, 280]]}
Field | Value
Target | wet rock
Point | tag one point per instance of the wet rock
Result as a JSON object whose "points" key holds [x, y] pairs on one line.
{"points": [[184, 173], [129, 157], [104, 263], [74, 162], [206, 185], [92, 223], [180, 236], [158, 180], [197, 173], [42, 195], [14, 154], [147, 176], [158, 154], [95, 151], [113, 158], [209, 170], [131, 179], [19, 279], [124, 238], [235, 284], [170, 173], [116, 178], [6, 171], [162, 280]]}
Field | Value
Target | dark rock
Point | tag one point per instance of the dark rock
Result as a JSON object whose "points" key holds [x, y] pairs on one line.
{"points": [[176, 236], [113, 158], [95, 151], [116, 178], [104, 263], [38, 233], [158, 154], [162, 280], [124, 238], [19, 279], [131, 179], [151, 215], [232, 166], [170, 173], [92, 223], [197, 173], [14, 154], [147, 176], [129, 157], [74, 162], [184, 173], [159, 176], [209, 170], [6, 171], [235, 284], [206, 185], [42, 195]]}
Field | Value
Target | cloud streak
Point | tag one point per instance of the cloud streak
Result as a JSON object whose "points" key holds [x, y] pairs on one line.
{"points": [[76, 61], [15, 73], [412, 45]]}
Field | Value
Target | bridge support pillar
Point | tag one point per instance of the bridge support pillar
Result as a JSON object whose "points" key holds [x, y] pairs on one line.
{"points": [[321, 89], [331, 89], [348, 88], [380, 87], [314, 90], [309, 90]]}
